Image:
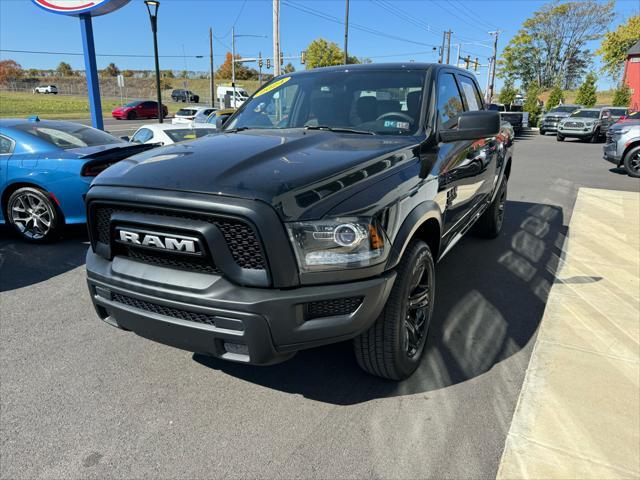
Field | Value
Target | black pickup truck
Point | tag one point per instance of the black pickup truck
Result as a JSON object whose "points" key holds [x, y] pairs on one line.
{"points": [[316, 215]]}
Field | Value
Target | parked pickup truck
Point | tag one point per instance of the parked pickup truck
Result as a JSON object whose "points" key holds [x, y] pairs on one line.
{"points": [[513, 114], [315, 216]]}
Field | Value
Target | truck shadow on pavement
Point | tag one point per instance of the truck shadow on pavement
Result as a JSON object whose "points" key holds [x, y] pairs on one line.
{"points": [[23, 264], [490, 298]]}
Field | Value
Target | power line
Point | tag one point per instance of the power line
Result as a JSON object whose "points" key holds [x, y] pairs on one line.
{"points": [[356, 26], [234, 22], [101, 54], [462, 19], [475, 15], [405, 17]]}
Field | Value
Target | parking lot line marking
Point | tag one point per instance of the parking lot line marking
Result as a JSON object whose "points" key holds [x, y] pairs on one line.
{"points": [[578, 414]]}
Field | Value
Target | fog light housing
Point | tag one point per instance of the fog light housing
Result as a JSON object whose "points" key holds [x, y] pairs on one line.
{"points": [[237, 348]]}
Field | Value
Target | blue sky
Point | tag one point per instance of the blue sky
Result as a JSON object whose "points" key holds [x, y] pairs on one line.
{"points": [[409, 29]]}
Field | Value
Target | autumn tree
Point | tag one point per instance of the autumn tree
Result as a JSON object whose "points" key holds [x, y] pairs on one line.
{"points": [[616, 44], [288, 68], [9, 71], [550, 48], [64, 70], [587, 95], [111, 70], [242, 72]]}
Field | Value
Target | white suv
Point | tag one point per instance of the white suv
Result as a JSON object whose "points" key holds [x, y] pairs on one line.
{"points": [[46, 89]]}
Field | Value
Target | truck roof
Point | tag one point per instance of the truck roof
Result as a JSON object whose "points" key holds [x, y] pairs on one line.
{"points": [[380, 66]]}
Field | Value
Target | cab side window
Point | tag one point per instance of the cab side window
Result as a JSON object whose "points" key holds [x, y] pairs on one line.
{"points": [[471, 94], [142, 135], [6, 145], [449, 101]]}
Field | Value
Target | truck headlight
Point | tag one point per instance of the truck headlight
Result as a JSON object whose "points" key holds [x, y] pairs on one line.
{"points": [[339, 243]]}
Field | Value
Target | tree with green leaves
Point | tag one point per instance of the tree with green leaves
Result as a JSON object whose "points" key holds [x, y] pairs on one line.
{"points": [[508, 93], [322, 53], [556, 97], [587, 93], [288, 68], [64, 70], [532, 104], [550, 48], [622, 96], [616, 44]]}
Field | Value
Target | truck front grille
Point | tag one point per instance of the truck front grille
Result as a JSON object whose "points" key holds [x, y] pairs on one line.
{"points": [[332, 308], [573, 124], [240, 237], [162, 310]]}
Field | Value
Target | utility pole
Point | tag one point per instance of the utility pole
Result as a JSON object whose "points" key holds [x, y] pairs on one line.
{"points": [[444, 39], [492, 70], [211, 74], [449, 32], [276, 38], [458, 55], [233, 64], [260, 68], [346, 33]]}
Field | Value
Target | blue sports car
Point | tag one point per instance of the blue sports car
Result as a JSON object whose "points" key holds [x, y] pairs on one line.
{"points": [[45, 170]]}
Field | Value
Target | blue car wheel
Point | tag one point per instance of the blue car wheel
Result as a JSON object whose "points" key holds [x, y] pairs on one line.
{"points": [[33, 214]]}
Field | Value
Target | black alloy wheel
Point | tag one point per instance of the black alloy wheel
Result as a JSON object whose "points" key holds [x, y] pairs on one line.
{"points": [[632, 162]]}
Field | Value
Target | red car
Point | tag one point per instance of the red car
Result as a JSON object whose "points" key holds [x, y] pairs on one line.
{"points": [[139, 109]]}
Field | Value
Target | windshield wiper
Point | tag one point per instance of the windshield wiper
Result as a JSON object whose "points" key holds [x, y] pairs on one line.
{"points": [[234, 130], [338, 129]]}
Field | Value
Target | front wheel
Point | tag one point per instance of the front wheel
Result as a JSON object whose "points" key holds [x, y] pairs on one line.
{"points": [[543, 132], [132, 115], [632, 162], [33, 215], [490, 223], [559, 138], [595, 137], [393, 346]]}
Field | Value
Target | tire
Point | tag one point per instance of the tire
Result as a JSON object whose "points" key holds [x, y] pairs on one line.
{"points": [[387, 349], [32, 213], [543, 132], [559, 138], [132, 115], [595, 137], [490, 223], [632, 162]]}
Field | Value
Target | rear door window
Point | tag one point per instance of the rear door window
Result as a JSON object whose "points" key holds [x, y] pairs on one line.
{"points": [[6, 145]]}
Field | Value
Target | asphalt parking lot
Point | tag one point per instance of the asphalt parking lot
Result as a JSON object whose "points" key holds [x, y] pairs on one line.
{"points": [[79, 398]]}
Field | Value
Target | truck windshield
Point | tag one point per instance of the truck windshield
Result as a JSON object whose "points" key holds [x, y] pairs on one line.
{"points": [[586, 113], [380, 102], [563, 109]]}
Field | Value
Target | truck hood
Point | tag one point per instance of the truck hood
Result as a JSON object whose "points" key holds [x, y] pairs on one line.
{"points": [[293, 170]]}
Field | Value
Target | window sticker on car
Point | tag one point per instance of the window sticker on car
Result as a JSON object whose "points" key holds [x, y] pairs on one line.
{"points": [[272, 86], [396, 124]]}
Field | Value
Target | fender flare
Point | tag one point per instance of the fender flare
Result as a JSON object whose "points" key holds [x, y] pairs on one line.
{"points": [[416, 218]]}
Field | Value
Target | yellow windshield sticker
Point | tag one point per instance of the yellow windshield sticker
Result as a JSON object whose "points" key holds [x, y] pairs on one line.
{"points": [[272, 86]]}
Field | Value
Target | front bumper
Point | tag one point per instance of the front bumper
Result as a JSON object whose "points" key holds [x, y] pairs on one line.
{"points": [[574, 133], [549, 126], [208, 314], [610, 153]]}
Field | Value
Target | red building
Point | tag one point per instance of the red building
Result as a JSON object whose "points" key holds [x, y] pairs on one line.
{"points": [[632, 75]]}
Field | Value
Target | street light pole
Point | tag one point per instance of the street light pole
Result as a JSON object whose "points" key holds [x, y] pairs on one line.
{"points": [[152, 8]]}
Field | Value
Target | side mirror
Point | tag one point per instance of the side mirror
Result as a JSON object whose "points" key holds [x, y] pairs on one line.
{"points": [[221, 120], [125, 138], [472, 126]]}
